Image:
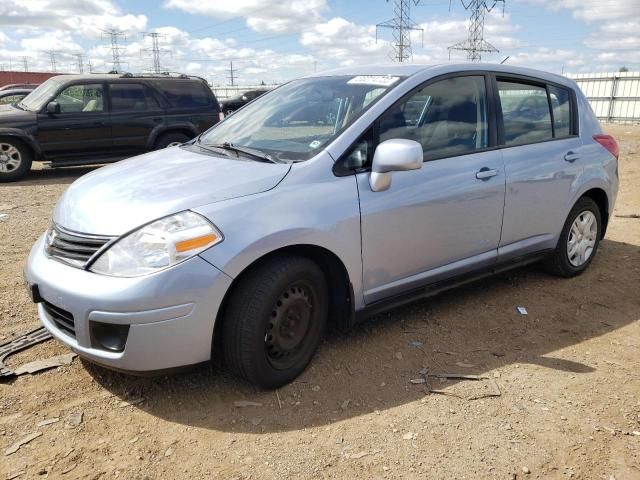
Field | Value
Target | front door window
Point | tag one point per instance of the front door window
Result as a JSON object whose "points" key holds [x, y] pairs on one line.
{"points": [[81, 99]]}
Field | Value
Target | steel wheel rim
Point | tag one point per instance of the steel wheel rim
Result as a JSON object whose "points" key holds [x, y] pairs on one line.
{"points": [[582, 238], [10, 158], [290, 322], [173, 144]]}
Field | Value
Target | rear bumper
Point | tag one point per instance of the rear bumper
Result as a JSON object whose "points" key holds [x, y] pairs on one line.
{"points": [[171, 314]]}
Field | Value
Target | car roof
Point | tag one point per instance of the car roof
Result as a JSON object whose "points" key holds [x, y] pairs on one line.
{"points": [[408, 69]]}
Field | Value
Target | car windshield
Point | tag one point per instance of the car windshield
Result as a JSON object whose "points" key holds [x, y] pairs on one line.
{"points": [[295, 121], [38, 97]]}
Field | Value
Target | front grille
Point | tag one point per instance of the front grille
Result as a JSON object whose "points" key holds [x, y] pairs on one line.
{"points": [[62, 318], [73, 248]]}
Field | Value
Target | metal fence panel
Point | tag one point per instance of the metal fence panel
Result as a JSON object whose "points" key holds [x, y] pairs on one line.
{"points": [[614, 97]]}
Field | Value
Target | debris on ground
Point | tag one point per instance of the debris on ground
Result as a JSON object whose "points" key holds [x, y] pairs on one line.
{"points": [[23, 441], [46, 364], [75, 419], [631, 215], [18, 344], [522, 310], [48, 421]]}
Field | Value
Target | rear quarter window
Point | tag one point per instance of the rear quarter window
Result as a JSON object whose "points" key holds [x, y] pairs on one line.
{"points": [[186, 93]]}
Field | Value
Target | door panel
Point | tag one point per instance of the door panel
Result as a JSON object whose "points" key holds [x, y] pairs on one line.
{"points": [[444, 219], [135, 112], [430, 219], [82, 128], [540, 175]]}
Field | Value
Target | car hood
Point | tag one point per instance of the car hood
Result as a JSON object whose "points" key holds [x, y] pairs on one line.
{"points": [[121, 197], [10, 115]]}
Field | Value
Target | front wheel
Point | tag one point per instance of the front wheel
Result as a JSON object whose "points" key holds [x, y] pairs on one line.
{"points": [[171, 139], [15, 160], [579, 239], [274, 321]]}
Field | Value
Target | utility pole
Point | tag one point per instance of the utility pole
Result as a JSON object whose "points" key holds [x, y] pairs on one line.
{"points": [[25, 64], [80, 59], [401, 26], [114, 35], [155, 49], [475, 44], [232, 73], [90, 65]]}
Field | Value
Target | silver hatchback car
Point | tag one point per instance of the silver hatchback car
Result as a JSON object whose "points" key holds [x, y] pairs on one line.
{"points": [[332, 197]]}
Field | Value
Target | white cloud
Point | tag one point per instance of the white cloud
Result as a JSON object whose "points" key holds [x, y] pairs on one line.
{"points": [[261, 15]]}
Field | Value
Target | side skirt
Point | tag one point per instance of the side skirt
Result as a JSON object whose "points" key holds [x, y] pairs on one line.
{"points": [[432, 289]]}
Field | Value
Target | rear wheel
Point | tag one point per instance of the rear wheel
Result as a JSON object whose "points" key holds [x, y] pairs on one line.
{"points": [[171, 139], [15, 159], [274, 321], [579, 239]]}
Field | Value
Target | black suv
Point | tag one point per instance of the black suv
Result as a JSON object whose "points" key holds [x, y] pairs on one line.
{"points": [[234, 103], [89, 119]]}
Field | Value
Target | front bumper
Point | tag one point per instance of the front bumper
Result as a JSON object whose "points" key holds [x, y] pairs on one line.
{"points": [[171, 313]]}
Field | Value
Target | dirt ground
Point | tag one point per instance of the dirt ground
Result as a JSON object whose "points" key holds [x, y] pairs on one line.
{"points": [[564, 380]]}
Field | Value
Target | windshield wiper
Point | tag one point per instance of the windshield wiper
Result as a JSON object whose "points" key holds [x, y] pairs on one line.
{"points": [[251, 152]]}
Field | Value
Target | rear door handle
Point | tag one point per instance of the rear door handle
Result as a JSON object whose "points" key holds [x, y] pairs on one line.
{"points": [[571, 156], [486, 173]]}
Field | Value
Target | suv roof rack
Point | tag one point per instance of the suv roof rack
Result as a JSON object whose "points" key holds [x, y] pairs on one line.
{"points": [[160, 75]]}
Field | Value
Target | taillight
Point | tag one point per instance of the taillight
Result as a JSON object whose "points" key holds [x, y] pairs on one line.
{"points": [[220, 116], [608, 142]]}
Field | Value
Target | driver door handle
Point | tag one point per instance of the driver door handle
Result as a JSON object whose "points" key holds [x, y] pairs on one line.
{"points": [[486, 173], [571, 156]]}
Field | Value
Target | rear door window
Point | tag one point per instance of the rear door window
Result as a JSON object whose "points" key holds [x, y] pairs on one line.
{"points": [[185, 93], [127, 97], [525, 113]]}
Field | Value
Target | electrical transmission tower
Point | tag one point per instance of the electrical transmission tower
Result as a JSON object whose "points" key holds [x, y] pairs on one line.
{"points": [[114, 35], [232, 73], [155, 49], [80, 59], [52, 58], [401, 26], [25, 63], [475, 44]]}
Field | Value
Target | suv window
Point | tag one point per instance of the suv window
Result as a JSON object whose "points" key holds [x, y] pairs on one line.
{"points": [[81, 98], [448, 118], [525, 112], [185, 93], [561, 107], [131, 96]]}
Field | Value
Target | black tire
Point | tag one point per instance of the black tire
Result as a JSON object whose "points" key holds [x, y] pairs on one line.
{"points": [[274, 321], [560, 264], [167, 139], [9, 172], [228, 112]]}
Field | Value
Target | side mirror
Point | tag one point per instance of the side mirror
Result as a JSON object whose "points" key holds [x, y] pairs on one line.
{"points": [[244, 98], [395, 155], [53, 107]]}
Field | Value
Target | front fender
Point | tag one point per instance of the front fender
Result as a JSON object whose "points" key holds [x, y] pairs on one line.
{"points": [[299, 211], [26, 137]]}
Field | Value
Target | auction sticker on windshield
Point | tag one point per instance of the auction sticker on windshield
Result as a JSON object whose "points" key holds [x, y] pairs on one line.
{"points": [[378, 80]]}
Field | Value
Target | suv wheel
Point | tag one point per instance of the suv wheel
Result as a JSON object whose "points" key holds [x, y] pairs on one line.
{"points": [[15, 160], [171, 139], [274, 321], [579, 239]]}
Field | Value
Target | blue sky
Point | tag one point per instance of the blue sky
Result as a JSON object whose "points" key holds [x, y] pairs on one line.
{"points": [[275, 40]]}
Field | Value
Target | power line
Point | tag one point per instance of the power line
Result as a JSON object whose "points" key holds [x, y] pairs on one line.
{"points": [[114, 35], [401, 26], [155, 49], [475, 44]]}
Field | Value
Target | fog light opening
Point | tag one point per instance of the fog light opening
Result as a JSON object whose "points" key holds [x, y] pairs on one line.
{"points": [[110, 337]]}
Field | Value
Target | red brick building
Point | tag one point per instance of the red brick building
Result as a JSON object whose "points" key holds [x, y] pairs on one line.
{"points": [[7, 78]]}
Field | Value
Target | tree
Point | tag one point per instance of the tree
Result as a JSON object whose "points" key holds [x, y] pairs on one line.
{"points": [[623, 69]]}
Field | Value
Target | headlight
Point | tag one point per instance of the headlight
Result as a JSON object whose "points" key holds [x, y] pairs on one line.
{"points": [[158, 245]]}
